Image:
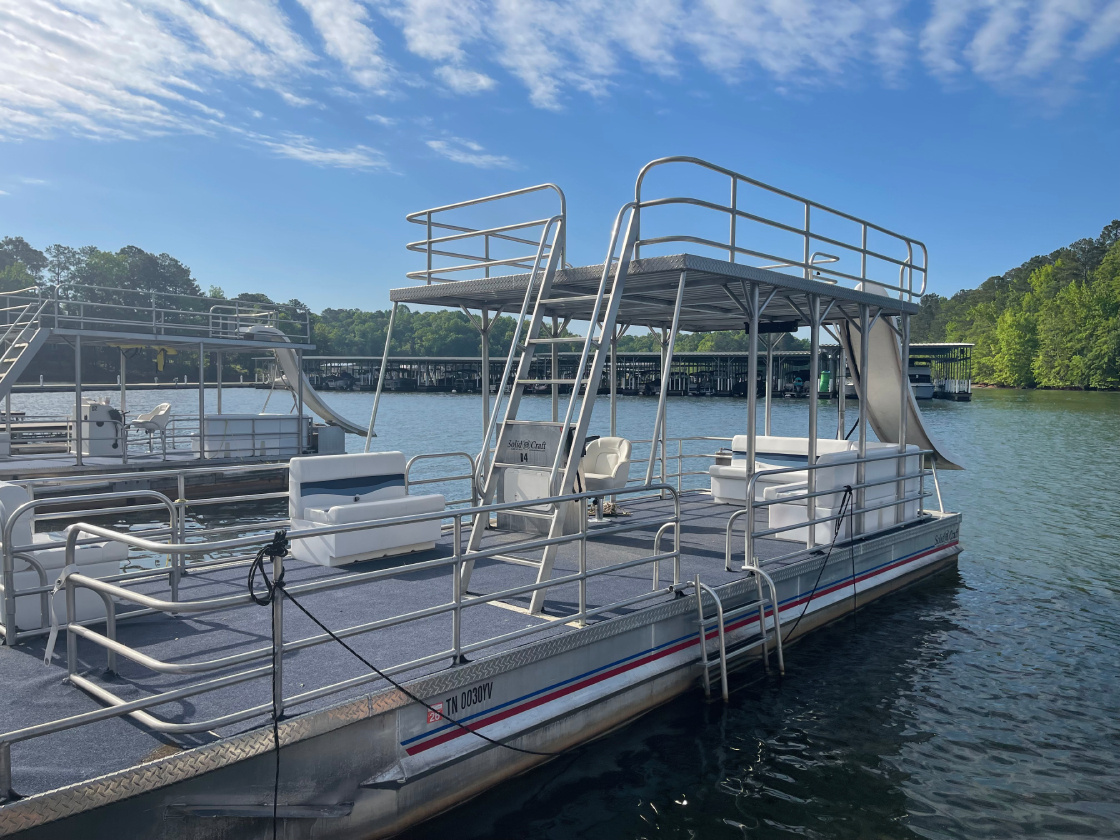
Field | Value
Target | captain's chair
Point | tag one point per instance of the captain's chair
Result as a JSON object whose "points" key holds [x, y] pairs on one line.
{"points": [[606, 465]]}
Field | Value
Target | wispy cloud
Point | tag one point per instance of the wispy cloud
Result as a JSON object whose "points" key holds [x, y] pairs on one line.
{"points": [[3, 192], [462, 80], [469, 152], [344, 27], [135, 68], [305, 149], [34, 182]]}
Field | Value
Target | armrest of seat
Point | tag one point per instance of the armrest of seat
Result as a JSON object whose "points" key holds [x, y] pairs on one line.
{"points": [[379, 510], [781, 491]]}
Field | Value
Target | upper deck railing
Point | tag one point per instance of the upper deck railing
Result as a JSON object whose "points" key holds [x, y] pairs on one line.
{"points": [[760, 238], [475, 245], [74, 306]]}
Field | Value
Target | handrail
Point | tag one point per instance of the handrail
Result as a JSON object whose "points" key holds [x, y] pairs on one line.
{"points": [[119, 707], [701, 588], [805, 232], [492, 425], [8, 551], [751, 504], [462, 234], [470, 476]]}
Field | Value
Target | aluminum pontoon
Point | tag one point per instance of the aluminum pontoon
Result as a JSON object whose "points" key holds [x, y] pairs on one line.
{"points": [[530, 628]]}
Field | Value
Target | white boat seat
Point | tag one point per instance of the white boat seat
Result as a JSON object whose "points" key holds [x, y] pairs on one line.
{"points": [[883, 466], [606, 464], [154, 421], [348, 489], [729, 481]]}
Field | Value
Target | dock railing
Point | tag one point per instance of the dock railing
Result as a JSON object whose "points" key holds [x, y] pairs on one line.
{"points": [[273, 654], [753, 234]]}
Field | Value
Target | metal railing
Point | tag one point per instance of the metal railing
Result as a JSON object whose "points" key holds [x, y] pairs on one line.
{"points": [[810, 234], [415, 482], [78, 306], [462, 238], [259, 436], [275, 652], [856, 514]]}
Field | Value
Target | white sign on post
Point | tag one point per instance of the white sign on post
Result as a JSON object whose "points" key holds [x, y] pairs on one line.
{"points": [[528, 443]]}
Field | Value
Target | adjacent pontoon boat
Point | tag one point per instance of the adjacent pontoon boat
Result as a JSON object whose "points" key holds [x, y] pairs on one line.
{"points": [[518, 621]]}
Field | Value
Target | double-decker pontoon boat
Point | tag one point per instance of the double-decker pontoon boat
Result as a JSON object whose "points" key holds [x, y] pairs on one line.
{"points": [[515, 623]]}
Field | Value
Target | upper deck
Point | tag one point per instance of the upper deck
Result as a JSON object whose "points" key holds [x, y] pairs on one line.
{"points": [[740, 234]]}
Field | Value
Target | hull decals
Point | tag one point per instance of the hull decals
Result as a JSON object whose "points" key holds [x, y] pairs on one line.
{"points": [[448, 732]]}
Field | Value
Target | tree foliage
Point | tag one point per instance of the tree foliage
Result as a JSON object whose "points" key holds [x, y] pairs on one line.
{"points": [[1053, 322]]}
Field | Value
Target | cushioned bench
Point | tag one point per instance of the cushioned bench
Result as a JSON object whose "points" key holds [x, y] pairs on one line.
{"points": [[729, 482], [348, 489], [834, 478], [94, 560]]}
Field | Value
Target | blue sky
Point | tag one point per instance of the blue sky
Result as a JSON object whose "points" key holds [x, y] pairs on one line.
{"points": [[277, 146]]}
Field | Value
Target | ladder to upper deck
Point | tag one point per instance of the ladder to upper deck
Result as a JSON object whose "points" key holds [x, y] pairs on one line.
{"points": [[563, 470], [20, 342], [541, 300]]}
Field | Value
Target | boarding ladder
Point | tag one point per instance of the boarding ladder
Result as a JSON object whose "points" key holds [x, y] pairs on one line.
{"points": [[573, 429], [19, 344], [767, 630]]}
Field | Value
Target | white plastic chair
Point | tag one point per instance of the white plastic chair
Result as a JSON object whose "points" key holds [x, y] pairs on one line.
{"points": [[606, 466], [154, 421]]}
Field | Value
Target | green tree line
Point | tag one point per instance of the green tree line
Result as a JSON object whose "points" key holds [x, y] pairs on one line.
{"points": [[1053, 322]]}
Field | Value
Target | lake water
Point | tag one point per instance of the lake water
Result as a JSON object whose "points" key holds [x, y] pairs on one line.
{"points": [[983, 703]]}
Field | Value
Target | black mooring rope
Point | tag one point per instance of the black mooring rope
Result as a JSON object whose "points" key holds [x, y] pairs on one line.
{"points": [[278, 547]]}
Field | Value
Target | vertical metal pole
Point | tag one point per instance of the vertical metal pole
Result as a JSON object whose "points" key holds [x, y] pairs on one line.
{"points": [[218, 376], [124, 383], [667, 367], [371, 434], [814, 376], [278, 639], [485, 382], [861, 468], [707, 679], [808, 268], [903, 413], [301, 431], [457, 595], [769, 381], [842, 385], [429, 248], [201, 401], [6, 792], [556, 370], [734, 218], [752, 385], [78, 398], [659, 418], [614, 383], [581, 618]]}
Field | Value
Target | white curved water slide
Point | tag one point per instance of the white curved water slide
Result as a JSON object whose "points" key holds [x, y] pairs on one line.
{"points": [[887, 378], [288, 363]]}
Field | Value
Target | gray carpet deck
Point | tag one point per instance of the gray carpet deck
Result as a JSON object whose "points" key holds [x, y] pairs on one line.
{"points": [[36, 693]]}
